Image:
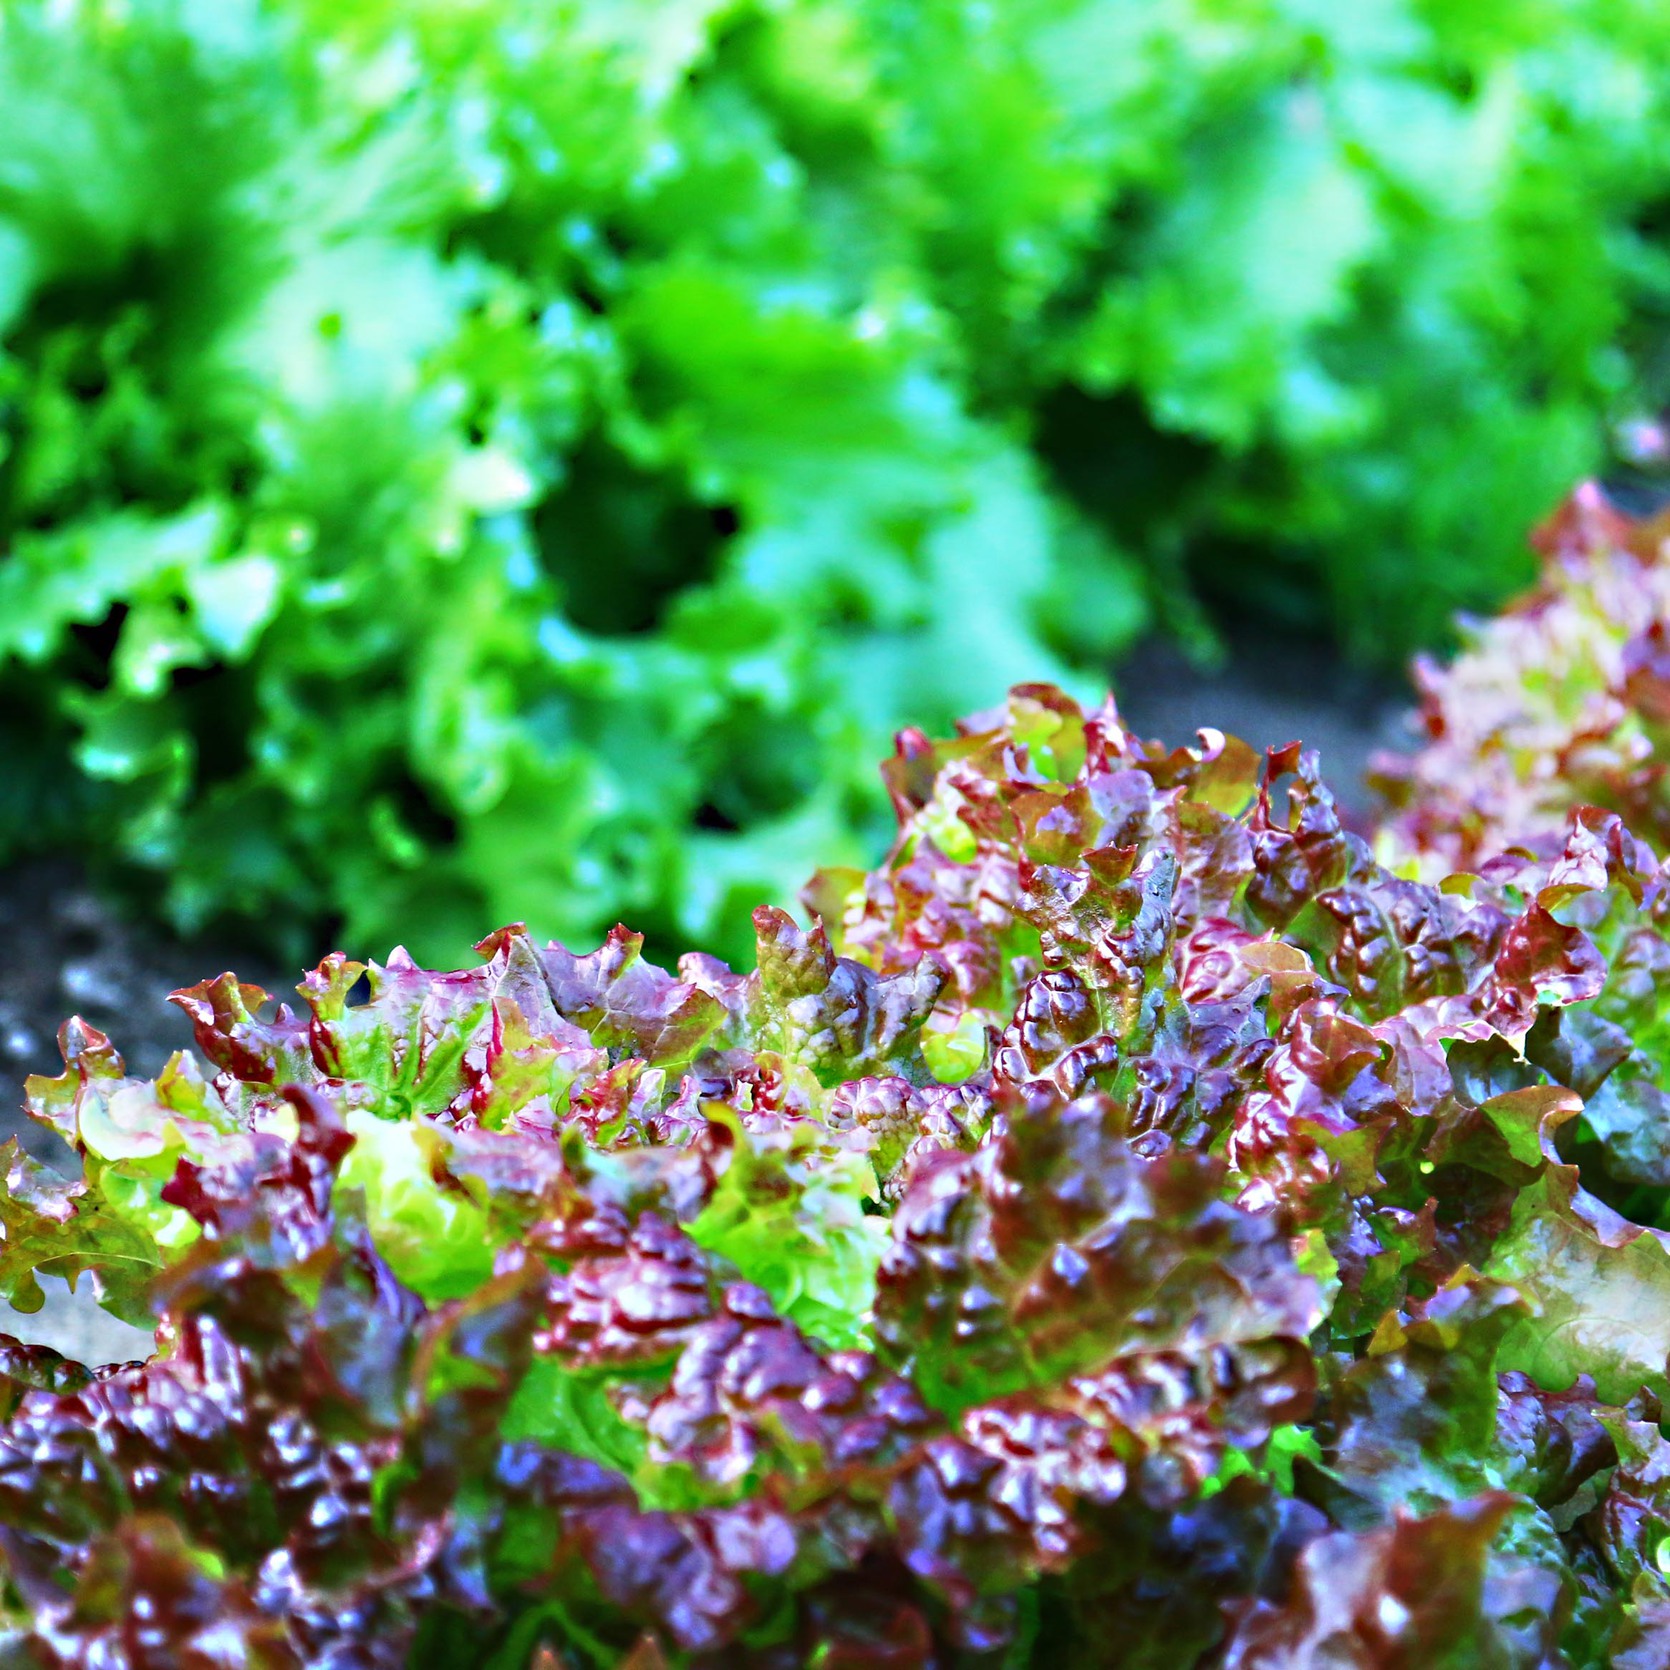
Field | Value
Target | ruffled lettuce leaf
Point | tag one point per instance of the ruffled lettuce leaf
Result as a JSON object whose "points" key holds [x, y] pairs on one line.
{"points": [[1276, 1283]]}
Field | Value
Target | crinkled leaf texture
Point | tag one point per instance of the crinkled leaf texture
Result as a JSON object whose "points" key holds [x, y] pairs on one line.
{"points": [[1562, 700], [1130, 1225]]}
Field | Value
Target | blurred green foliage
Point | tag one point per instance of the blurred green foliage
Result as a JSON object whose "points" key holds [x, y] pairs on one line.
{"points": [[474, 459]]}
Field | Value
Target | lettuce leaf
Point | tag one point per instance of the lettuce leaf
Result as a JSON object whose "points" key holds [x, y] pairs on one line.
{"points": [[1263, 1290]]}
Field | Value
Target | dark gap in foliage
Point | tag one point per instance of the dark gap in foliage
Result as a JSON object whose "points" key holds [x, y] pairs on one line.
{"points": [[96, 642], [1639, 1202], [1150, 490], [617, 240], [43, 799], [1459, 80], [709, 816], [1127, 218], [220, 709], [243, 476], [420, 815], [755, 766], [664, 941], [1652, 225], [623, 542], [94, 297], [587, 296], [847, 612], [1235, 577], [1108, 455], [1240, 578]]}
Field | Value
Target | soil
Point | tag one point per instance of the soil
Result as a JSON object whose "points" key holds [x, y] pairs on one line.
{"points": [[1270, 690], [68, 951]]}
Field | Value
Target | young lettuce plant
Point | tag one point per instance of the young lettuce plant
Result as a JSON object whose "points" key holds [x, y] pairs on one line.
{"points": [[1563, 700], [1130, 1225]]}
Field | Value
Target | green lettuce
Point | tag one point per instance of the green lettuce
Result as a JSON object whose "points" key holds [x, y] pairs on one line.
{"points": [[562, 442]]}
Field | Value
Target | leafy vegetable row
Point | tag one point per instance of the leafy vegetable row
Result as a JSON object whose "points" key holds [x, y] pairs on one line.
{"points": [[1130, 1225], [565, 440]]}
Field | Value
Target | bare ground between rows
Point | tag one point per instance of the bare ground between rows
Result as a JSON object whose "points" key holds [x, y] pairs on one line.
{"points": [[68, 951]]}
